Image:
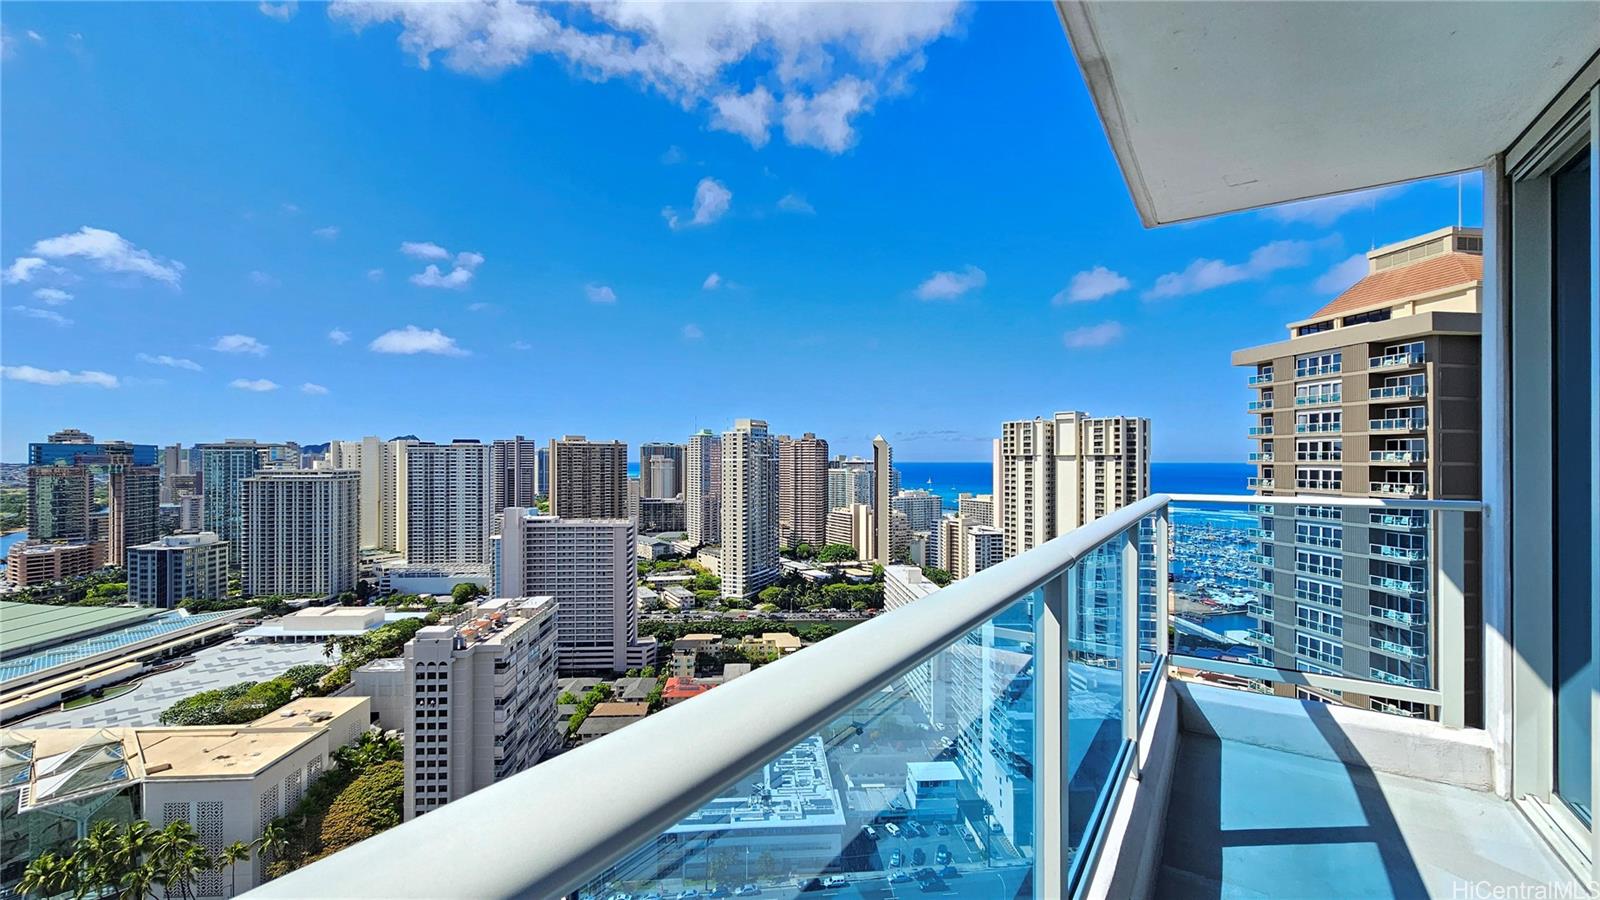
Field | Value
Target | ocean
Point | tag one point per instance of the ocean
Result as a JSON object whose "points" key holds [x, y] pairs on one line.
{"points": [[951, 479]]}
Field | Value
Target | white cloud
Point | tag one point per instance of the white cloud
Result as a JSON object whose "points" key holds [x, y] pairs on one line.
{"points": [[57, 377], [747, 115], [459, 276], [432, 277], [672, 156], [823, 65], [290, 209], [692, 332], [338, 336], [259, 385], [794, 203], [175, 362], [35, 36], [52, 296], [599, 293], [48, 315], [950, 285], [711, 201], [1092, 284], [262, 279], [22, 269], [521, 345], [1093, 335], [107, 250], [712, 282], [1324, 211], [374, 274], [823, 120], [309, 388], [1206, 274], [282, 11], [423, 250], [411, 339], [1342, 275], [239, 343], [326, 232]]}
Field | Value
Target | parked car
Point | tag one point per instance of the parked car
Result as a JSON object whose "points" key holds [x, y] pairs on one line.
{"points": [[899, 878], [719, 891], [943, 828], [811, 884], [870, 832], [943, 854], [918, 857], [894, 859], [892, 828], [688, 894], [932, 885], [748, 890], [948, 872], [835, 881]]}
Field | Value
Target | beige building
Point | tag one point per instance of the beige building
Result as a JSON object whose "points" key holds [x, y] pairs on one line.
{"points": [[588, 479], [588, 566], [300, 532], [802, 490], [30, 563], [749, 509], [1060, 473], [449, 515], [481, 699], [227, 782], [384, 488], [702, 488], [1374, 395], [852, 525]]}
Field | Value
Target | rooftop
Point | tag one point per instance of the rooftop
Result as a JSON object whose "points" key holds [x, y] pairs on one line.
{"points": [[30, 627], [1420, 279], [144, 625]]}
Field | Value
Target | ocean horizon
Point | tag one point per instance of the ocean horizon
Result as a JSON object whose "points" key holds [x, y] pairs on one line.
{"points": [[950, 480]]}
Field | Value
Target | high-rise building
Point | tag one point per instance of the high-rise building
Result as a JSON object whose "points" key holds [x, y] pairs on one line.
{"points": [[976, 509], [133, 503], [174, 462], [853, 526], [882, 494], [544, 471], [82, 450], [301, 532], [951, 541], [588, 566], [1060, 473], [702, 490], [1376, 394], [984, 546], [661, 470], [191, 512], [849, 481], [223, 469], [448, 502], [588, 479], [71, 436], [480, 699], [178, 567], [930, 682], [30, 562], [660, 515], [516, 473], [749, 508], [385, 490], [802, 490], [923, 510], [60, 499]]}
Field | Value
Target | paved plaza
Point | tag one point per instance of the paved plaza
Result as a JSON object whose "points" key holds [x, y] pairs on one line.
{"points": [[211, 668]]}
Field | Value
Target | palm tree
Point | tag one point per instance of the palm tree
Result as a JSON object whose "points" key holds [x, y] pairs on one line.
{"points": [[177, 857], [131, 846], [48, 874], [274, 841], [230, 857], [96, 857], [138, 883]]}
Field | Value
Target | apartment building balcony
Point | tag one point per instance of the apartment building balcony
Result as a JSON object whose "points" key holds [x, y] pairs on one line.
{"points": [[1261, 456], [1259, 610], [1397, 585], [1403, 520], [1392, 361], [1259, 484], [1318, 400], [1259, 430], [1263, 559], [1399, 457], [1260, 534], [1404, 651], [1318, 371], [1393, 615], [1259, 638], [1318, 484], [1389, 551], [1259, 405], [1391, 678], [1398, 392], [1399, 488], [1316, 427], [1400, 425], [1262, 377]]}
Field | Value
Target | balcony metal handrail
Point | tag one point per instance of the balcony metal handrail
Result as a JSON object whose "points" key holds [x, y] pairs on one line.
{"points": [[1257, 430], [1398, 392], [1317, 399], [1317, 427], [1257, 405], [1260, 378], [1398, 423], [1398, 456], [728, 732], [1393, 360], [1265, 456]]}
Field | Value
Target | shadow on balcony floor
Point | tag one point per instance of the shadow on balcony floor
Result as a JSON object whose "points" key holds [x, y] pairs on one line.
{"points": [[1246, 821]]}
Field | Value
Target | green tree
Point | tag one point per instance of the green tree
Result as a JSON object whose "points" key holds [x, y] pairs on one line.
{"points": [[49, 874], [936, 575], [274, 841], [836, 553], [467, 592], [805, 551], [368, 805], [230, 858]]}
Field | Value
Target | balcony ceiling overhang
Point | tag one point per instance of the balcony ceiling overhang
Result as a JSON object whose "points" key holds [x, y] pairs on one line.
{"points": [[1213, 107]]}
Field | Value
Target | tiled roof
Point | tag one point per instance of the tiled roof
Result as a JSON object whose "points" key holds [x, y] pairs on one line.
{"points": [[1434, 274]]}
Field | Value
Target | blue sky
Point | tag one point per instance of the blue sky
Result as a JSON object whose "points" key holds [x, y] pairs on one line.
{"points": [[275, 221]]}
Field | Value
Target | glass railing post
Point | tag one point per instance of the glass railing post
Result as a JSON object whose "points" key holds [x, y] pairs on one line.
{"points": [[1163, 600], [1450, 527], [1052, 849], [1130, 641]]}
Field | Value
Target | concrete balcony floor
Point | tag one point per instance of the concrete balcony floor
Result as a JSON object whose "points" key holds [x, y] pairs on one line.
{"points": [[1246, 821]]}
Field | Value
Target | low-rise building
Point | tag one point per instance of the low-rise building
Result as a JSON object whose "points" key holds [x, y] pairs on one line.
{"points": [[403, 577], [608, 717], [178, 567], [781, 642], [316, 624], [31, 563], [227, 782]]}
